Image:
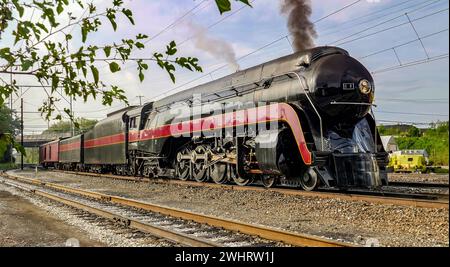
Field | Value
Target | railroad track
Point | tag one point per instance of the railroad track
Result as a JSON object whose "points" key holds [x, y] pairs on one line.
{"points": [[423, 200], [419, 184], [179, 226]]}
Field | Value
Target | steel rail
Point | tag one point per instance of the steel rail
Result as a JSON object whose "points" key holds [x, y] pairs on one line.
{"points": [[128, 222], [264, 232], [419, 184], [377, 199]]}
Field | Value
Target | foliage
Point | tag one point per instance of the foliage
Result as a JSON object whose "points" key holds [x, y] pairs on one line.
{"points": [[399, 130], [8, 127], [225, 5], [8, 124], [43, 49], [434, 140], [7, 166], [6, 140], [82, 125]]}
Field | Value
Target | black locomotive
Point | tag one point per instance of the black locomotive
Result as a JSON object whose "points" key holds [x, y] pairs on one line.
{"points": [[301, 120]]}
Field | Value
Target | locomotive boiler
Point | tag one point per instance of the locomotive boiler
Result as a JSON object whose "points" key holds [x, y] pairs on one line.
{"points": [[302, 120]]}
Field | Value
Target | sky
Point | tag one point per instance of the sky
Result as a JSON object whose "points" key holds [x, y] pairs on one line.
{"points": [[417, 94]]}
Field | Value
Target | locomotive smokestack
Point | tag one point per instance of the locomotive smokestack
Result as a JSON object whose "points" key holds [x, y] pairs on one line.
{"points": [[299, 23], [218, 48]]}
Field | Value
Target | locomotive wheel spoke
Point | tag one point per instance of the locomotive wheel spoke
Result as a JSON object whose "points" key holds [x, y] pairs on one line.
{"points": [[200, 173], [218, 173], [183, 165]]}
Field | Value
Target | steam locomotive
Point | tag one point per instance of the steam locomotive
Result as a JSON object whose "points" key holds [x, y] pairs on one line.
{"points": [[302, 120]]}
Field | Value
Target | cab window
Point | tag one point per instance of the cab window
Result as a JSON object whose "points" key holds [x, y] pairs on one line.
{"points": [[134, 123]]}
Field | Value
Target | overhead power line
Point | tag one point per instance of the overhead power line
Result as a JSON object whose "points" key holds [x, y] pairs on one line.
{"points": [[381, 23], [412, 113], [427, 101], [368, 16], [390, 28], [403, 44], [175, 22], [410, 64]]}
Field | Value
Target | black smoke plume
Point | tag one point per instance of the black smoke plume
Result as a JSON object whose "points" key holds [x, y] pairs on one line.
{"points": [[299, 23]]}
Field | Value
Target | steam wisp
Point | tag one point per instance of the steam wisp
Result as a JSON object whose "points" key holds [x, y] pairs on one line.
{"points": [[218, 48]]}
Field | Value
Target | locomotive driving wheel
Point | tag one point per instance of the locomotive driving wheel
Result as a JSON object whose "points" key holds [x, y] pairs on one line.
{"points": [[198, 159], [182, 164], [242, 181], [268, 180], [218, 173], [309, 180]]}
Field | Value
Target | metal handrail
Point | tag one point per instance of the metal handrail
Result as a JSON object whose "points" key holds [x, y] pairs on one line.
{"points": [[352, 103], [306, 90]]}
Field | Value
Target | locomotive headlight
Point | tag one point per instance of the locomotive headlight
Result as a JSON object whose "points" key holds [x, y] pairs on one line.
{"points": [[365, 87]]}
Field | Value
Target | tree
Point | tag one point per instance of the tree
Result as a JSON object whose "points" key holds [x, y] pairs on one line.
{"points": [[82, 125], [8, 124], [8, 127], [43, 50], [413, 132]]}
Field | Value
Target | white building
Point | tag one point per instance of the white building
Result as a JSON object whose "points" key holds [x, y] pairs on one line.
{"points": [[389, 143]]}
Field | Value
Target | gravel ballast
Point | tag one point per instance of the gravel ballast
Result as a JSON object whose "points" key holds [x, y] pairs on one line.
{"points": [[353, 221], [101, 231], [419, 178]]}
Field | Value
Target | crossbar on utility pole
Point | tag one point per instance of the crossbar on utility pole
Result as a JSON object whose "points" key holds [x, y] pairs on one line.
{"points": [[140, 99]]}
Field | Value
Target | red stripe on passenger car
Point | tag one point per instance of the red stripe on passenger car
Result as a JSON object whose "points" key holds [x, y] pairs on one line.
{"points": [[69, 147], [105, 141]]}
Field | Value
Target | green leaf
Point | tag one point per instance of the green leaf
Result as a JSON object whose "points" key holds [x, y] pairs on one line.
{"points": [[112, 18], [107, 50], [19, 7], [141, 36], [171, 49], [55, 82], [245, 2], [141, 76], [114, 67], [42, 26], [84, 33], [128, 14], [139, 45], [223, 5], [84, 72], [94, 71], [26, 64], [59, 8], [80, 3]]}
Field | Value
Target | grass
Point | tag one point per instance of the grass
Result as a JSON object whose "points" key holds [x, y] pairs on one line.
{"points": [[7, 166]]}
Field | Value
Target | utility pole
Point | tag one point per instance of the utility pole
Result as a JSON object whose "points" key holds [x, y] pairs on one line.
{"points": [[10, 96], [11, 105], [21, 132], [140, 99], [72, 130]]}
